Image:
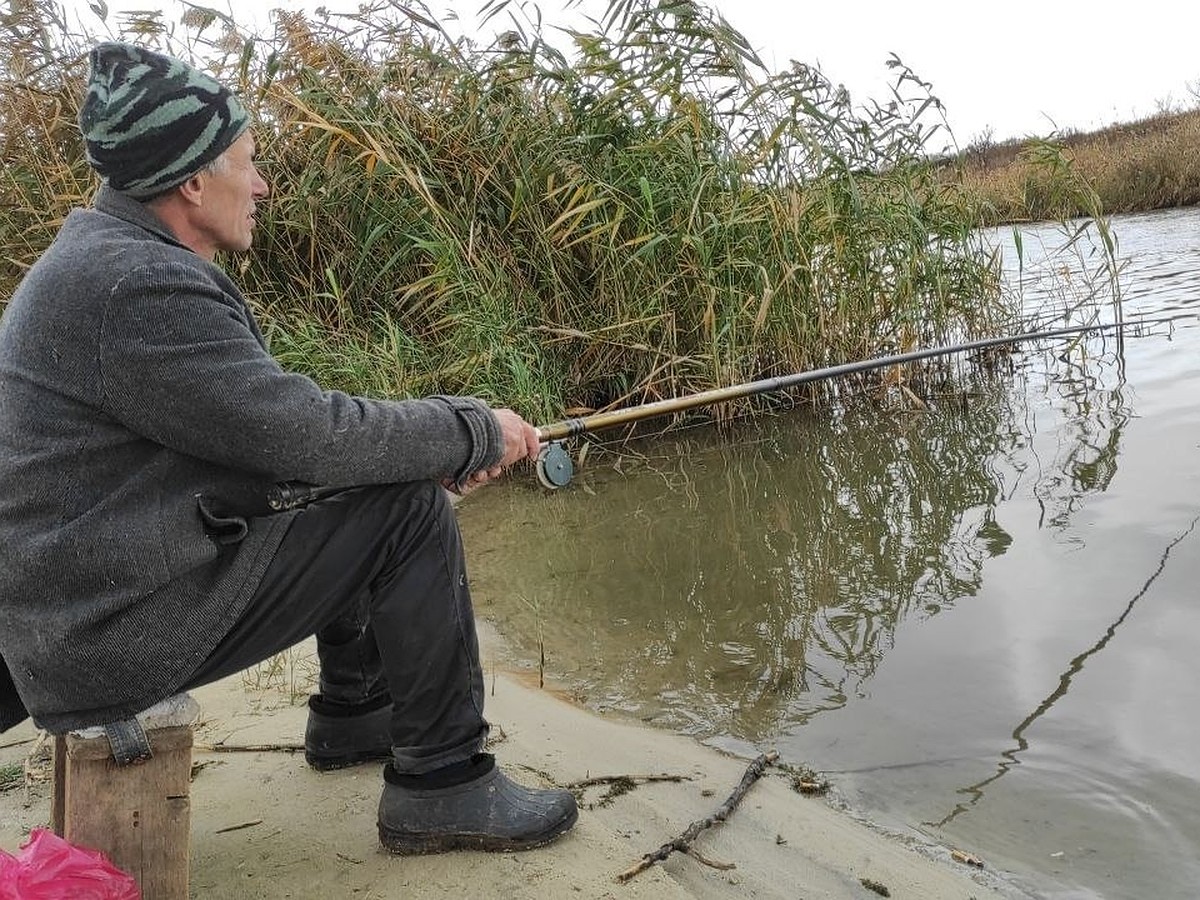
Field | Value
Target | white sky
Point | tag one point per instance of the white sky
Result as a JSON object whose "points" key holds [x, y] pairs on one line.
{"points": [[1011, 69]]}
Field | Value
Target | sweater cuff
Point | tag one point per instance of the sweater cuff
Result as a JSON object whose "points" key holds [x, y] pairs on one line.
{"points": [[487, 443]]}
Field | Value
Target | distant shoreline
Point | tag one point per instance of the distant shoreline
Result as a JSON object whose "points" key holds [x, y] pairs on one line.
{"points": [[1149, 164]]}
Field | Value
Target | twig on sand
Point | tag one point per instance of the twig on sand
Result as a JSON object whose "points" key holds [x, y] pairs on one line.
{"points": [[711, 863], [683, 843], [622, 779], [250, 748], [238, 827]]}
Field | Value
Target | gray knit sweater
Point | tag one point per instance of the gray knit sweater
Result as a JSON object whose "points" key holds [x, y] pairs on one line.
{"points": [[141, 422]]}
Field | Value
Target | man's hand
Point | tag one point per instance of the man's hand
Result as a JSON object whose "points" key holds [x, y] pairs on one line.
{"points": [[477, 479], [520, 441], [520, 438]]}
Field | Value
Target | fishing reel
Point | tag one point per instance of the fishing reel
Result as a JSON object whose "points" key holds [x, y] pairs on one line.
{"points": [[554, 467]]}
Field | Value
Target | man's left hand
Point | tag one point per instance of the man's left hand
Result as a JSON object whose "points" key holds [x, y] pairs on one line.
{"points": [[476, 479]]}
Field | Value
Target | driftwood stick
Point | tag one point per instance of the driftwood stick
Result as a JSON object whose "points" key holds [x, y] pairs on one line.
{"points": [[250, 748], [683, 843]]}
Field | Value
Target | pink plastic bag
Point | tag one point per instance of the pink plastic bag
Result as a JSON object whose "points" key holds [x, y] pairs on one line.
{"points": [[49, 868]]}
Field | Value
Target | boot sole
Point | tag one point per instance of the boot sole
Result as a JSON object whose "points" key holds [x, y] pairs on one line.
{"points": [[333, 763], [407, 843]]}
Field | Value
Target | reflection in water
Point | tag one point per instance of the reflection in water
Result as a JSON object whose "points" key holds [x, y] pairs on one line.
{"points": [[1010, 756], [763, 580], [1088, 437]]}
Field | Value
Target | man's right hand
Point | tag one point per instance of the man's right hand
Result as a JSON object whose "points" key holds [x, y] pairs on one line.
{"points": [[520, 438]]}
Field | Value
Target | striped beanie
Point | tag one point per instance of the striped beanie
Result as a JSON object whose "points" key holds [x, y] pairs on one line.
{"points": [[150, 122]]}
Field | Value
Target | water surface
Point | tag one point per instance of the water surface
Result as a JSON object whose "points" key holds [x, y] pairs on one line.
{"points": [[977, 619]]}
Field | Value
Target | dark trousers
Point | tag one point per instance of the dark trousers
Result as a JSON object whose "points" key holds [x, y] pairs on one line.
{"points": [[378, 575]]}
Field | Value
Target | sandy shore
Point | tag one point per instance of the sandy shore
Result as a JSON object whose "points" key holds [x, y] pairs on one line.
{"points": [[313, 835]]}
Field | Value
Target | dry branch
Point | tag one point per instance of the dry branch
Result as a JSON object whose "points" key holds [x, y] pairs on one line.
{"points": [[683, 843]]}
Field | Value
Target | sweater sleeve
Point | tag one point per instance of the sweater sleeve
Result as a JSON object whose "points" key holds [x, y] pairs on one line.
{"points": [[182, 364]]}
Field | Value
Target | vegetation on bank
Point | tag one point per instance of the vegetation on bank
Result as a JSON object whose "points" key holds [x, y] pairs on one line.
{"points": [[1153, 163], [646, 213]]}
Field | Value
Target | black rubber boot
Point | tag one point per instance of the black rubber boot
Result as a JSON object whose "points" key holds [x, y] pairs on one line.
{"points": [[488, 812], [340, 735]]}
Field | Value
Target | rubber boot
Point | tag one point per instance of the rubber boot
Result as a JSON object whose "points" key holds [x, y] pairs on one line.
{"points": [[488, 812], [340, 735]]}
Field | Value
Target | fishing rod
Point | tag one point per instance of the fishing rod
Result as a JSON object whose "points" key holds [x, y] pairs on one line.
{"points": [[554, 466]]}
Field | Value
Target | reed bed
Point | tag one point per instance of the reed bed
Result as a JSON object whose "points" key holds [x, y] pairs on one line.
{"points": [[644, 212], [1153, 163]]}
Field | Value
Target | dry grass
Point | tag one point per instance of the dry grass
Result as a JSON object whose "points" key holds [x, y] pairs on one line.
{"points": [[1150, 164], [292, 674]]}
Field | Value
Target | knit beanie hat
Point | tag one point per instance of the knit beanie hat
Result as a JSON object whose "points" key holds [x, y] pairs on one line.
{"points": [[150, 122]]}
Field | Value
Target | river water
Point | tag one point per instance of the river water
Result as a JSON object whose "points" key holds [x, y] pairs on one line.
{"points": [[976, 619]]}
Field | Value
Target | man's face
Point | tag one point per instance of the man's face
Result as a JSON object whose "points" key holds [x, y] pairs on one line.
{"points": [[226, 217]]}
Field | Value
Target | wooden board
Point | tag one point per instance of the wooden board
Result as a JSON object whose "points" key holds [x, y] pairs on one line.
{"points": [[138, 815]]}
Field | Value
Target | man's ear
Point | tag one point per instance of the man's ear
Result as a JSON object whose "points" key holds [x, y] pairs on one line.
{"points": [[192, 190]]}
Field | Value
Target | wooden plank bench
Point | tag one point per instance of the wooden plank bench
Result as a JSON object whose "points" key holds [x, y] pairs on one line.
{"points": [[137, 813]]}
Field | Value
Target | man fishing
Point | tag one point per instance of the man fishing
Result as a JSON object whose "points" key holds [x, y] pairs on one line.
{"points": [[142, 422]]}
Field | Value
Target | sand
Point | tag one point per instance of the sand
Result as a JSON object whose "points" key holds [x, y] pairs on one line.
{"points": [[305, 834]]}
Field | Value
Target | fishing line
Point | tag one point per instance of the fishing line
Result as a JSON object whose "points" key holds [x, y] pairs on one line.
{"points": [[1064, 683]]}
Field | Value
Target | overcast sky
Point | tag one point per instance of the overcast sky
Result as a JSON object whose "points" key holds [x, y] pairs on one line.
{"points": [[1009, 69]]}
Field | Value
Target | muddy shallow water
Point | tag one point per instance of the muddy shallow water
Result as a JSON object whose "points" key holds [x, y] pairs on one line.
{"points": [[977, 619]]}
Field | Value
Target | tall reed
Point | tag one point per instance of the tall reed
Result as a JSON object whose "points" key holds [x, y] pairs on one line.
{"points": [[647, 212]]}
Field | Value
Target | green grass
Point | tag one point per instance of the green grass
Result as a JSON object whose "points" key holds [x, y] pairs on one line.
{"points": [[12, 775]]}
